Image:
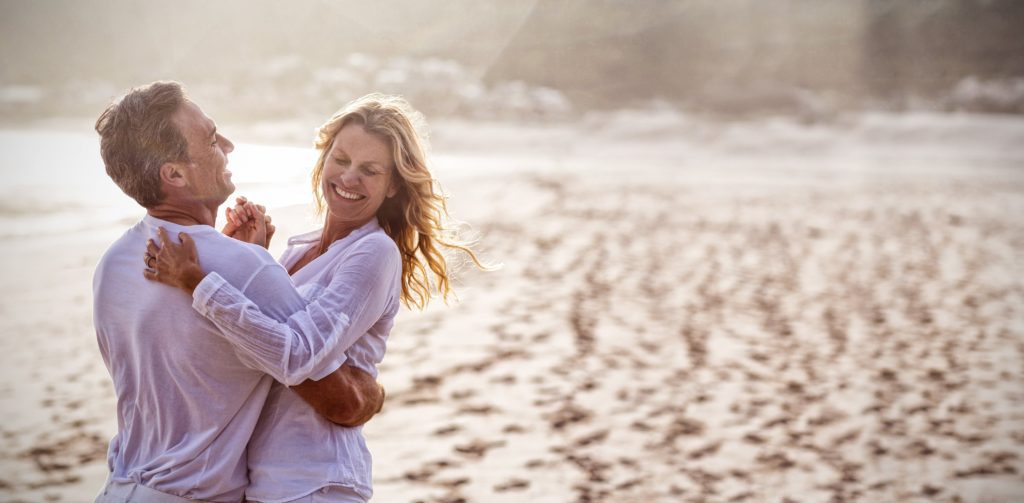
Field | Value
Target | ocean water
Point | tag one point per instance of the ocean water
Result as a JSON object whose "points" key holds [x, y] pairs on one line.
{"points": [[55, 182]]}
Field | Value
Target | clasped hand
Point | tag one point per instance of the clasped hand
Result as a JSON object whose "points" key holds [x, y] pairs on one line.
{"points": [[249, 222]]}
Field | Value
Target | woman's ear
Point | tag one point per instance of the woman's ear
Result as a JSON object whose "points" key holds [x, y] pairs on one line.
{"points": [[173, 174], [392, 188]]}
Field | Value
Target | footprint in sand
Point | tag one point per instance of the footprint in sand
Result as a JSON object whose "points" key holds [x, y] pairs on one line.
{"points": [[535, 464], [585, 440], [463, 394], [512, 485], [427, 470], [481, 410], [570, 413], [447, 430], [477, 448]]}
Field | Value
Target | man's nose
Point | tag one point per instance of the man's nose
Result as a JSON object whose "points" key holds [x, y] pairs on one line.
{"points": [[226, 144]]}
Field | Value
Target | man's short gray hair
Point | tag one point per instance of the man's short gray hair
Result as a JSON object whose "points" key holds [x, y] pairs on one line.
{"points": [[138, 135]]}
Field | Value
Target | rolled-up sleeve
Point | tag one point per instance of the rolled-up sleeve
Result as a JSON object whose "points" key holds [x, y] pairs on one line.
{"points": [[311, 342]]}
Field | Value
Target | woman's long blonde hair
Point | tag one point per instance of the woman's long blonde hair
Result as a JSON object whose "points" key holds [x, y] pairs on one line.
{"points": [[416, 217]]}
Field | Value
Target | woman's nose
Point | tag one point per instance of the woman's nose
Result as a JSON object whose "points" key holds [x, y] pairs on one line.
{"points": [[349, 177]]}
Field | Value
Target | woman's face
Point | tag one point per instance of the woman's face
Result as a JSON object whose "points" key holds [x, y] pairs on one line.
{"points": [[357, 176]]}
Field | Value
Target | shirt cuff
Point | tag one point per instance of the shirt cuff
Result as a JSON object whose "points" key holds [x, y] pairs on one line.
{"points": [[204, 291], [328, 368]]}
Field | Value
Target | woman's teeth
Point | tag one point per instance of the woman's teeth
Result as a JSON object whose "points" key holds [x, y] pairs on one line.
{"points": [[346, 195]]}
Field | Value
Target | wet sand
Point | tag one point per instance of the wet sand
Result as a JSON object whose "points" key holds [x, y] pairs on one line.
{"points": [[672, 322]]}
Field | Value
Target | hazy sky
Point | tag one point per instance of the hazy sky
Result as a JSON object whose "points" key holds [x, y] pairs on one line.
{"points": [[598, 52], [70, 38]]}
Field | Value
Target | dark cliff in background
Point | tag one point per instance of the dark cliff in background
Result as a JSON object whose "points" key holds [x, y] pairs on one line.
{"points": [[713, 53]]}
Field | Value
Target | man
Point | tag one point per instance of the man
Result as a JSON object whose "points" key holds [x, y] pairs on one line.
{"points": [[187, 399]]}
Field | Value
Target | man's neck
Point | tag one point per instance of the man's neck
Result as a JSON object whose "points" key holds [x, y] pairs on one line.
{"points": [[185, 214]]}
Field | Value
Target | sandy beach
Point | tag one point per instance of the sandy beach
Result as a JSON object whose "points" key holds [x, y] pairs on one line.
{"points": [[686, 312]]}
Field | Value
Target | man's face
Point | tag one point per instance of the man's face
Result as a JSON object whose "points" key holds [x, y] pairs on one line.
{"points": [[209, 181]]}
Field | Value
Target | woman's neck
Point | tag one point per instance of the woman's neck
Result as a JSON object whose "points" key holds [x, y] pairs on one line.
{"points": [[335, 230]]}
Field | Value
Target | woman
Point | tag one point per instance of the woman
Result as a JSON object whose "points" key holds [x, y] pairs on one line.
{"points": [[380, 244]]}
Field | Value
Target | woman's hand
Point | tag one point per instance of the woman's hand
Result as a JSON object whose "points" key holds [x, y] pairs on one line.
{"points": [[173, 264], [249, 222]]}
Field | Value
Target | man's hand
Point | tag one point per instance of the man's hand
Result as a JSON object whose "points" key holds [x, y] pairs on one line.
{"points": [[248, 222], [347, 397]]}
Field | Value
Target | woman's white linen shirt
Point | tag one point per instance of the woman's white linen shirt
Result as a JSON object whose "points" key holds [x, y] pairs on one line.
{"points": [[353, 292]]}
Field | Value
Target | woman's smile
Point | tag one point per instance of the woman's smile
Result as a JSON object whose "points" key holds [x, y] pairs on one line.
{"points": [[344, 194]]}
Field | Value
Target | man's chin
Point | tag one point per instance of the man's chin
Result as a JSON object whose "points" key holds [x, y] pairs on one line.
{"points": [[225, 195]]}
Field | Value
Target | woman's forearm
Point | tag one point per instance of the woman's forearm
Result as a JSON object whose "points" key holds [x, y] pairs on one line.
{"points": [[311, 341]]}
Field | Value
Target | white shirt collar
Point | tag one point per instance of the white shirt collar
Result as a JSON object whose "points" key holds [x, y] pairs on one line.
{"points": [[171, 227], [314, 236]]}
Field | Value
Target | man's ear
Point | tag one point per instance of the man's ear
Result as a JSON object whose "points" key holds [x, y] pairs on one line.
{"points": [[173, 174]]}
